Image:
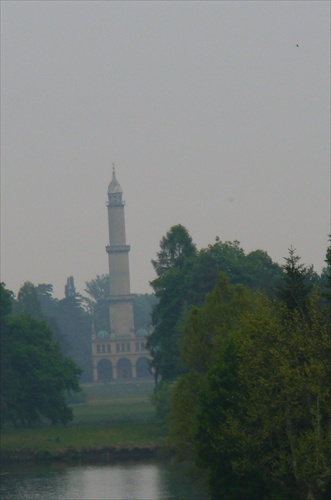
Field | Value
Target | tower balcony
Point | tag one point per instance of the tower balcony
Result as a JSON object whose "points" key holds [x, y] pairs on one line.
{"points": [[118, 249]]}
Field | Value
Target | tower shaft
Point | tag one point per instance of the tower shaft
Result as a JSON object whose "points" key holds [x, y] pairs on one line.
{"points": [[120, 299]]}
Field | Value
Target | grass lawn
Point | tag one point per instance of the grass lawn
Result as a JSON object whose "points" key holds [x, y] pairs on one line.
{"points": [[115, 403], [113, 415], [81, 436]]}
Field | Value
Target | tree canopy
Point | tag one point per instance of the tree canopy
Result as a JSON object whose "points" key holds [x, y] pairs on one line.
{"points": [[185, 276], [253, 406], [35, 377]]}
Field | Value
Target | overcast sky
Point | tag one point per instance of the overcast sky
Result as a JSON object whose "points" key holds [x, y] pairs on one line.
{"points": [[217, 115]]}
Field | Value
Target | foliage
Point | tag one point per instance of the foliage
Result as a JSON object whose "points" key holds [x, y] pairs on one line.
{"points": [[6, 301], [175, 248], [185, 276], [49, 308], [326, 275], [162, 402], [46, 300], [296, 287], [284, 366], [76, 327], [206, 334], [35, 377], [27, 301], [253, 408], [98, 290], [142, 309]]}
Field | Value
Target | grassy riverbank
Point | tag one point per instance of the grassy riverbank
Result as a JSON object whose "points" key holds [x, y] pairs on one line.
{"points": [[112, 415]]}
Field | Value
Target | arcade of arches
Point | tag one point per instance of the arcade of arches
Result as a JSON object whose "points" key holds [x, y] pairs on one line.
{"points": [[125, 369]]}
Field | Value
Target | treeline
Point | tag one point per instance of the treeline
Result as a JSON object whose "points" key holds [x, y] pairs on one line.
{"points": [[36, 379], [242, 357], [72, 318], [45, 346]]}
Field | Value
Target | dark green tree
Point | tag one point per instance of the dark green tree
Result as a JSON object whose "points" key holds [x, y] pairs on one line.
{"points": [[296, 285], [326, 276], [185, 276], [35, 377], [176, 248], [46, 300], [6, 301], [255, 270], [207, 333], [28, 302], [253, 407], [49, 308], [261, 273], [76, 326]]}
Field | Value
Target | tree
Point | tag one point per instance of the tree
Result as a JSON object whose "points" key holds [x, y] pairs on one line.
{"points": [[296, 287], [6, 301], [27, 301], [35, 377], [142, 309], [256, 270], [253, 406], [207, 332], [326, 276], [176, 248], [76, 327], [185, 276], [49, 308], [98, 290], [284, 368], [40, 304], [46, 300], [261, 424], [262, 273]]}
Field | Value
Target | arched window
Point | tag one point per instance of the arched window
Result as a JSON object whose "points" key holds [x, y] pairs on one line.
{"points": [[103, 347], [98, 348]]}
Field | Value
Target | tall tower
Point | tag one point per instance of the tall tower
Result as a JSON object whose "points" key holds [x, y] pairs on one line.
{"points": [[121, 354], [120, 300]]}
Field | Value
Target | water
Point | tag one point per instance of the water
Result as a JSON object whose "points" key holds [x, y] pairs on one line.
{"points": [[136, 481]]}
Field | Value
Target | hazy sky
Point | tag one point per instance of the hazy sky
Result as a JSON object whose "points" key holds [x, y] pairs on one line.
{"points": [[215, 118]]}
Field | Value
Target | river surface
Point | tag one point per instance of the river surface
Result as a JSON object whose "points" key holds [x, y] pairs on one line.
{"points": [[136, 481]]}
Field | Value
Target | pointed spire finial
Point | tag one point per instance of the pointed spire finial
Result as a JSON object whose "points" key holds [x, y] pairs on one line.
{"points": [[113, 163]]}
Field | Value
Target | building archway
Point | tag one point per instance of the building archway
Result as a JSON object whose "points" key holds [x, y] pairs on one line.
{"points": [[142, 368], [124, 369], [105, 370]]}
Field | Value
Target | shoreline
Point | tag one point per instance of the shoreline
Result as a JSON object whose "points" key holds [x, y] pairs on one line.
{"points": [[107, 454]]}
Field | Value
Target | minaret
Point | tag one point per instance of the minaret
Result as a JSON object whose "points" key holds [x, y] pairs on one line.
{"points": [[120, 299], [121, 354]]}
